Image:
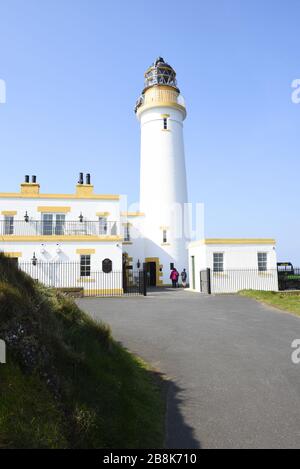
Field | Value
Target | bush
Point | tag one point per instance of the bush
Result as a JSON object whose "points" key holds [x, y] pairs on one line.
{"points": [[67, 384]]}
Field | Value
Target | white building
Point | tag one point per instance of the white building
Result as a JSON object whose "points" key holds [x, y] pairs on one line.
{"points": [[230, 265], [41, 229], [107, 245]]}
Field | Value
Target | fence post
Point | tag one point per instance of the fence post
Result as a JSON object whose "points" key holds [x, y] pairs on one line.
{"points": [[208, 281], [144, 281]]}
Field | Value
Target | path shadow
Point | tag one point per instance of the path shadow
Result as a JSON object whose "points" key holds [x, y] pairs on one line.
{"points": [[178, 433]]}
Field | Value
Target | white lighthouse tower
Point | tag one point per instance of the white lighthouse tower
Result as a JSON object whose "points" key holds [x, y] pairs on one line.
{"points": [[163, 188]]}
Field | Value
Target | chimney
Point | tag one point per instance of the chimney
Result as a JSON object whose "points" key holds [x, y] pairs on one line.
{"points": [[30, 188], [84, 190]]}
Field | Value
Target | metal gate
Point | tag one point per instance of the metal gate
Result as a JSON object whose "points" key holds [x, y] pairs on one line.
{"points": [[134, 282], [205, 281]]}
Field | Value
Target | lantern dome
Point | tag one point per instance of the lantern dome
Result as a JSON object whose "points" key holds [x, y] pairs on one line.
{"points": [[160, 73]]}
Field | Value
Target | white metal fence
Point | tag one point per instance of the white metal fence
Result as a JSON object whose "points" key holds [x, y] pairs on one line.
{"points": [[232, 281]]}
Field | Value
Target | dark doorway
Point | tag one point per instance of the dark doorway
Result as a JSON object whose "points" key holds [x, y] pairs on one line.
{"points": [[151, 273]]}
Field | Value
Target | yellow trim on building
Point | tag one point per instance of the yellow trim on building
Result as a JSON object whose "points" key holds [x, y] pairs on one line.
{"points": [[132, 214], [165, 115], [12, 254], [232, 241], [26, 195], [157, 267], [84, 190], [30, 188], [145, 107], [51, 209], [164, 227], [85, 251], [102, 214], [54, 238], [10, 213], [86, 280], [161, 96]]}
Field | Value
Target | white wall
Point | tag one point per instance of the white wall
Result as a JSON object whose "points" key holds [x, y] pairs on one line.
{"points": [[136, 247], [241, 256], [140, 248], [47, 252], [237, 257], [88, 207], [199, 254]]}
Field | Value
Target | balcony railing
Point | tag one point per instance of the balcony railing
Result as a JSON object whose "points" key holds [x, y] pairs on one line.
{"points": [[59, 228]]}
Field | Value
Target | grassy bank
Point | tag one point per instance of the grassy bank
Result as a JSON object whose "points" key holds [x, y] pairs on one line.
{"points": [[286, 301], [67, 383]]}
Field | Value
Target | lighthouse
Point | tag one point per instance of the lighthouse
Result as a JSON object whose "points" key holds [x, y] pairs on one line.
{"points": [[163, 188]]}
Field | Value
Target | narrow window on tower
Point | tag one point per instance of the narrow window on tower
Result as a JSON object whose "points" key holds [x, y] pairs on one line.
{"points": [[165, 123], [165, 237]]}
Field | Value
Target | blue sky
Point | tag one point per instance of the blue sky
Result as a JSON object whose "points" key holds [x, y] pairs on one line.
{"points": [[74, 68]]}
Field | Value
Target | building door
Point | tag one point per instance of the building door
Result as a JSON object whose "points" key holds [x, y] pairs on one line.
{"points": [[151, 273], [193, 272]]}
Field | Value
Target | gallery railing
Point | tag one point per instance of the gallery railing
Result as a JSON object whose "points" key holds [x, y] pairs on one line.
{"points": [[59, 228]]}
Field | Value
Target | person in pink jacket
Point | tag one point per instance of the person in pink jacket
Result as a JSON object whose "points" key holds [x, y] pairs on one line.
{"points": [[174, 277]]}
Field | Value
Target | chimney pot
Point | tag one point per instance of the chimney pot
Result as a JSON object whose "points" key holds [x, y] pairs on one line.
{"points": [[80, 181], [33, 179], [27, 178], [88, 178]]}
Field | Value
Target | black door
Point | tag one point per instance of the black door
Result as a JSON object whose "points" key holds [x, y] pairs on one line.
{"points": [[151, 274]]}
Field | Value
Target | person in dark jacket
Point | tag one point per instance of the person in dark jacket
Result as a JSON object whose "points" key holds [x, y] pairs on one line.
{"points": [[183, 278]]}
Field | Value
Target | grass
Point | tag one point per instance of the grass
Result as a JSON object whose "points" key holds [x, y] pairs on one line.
{"points": [[67, 383], [286, 301]]}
